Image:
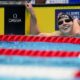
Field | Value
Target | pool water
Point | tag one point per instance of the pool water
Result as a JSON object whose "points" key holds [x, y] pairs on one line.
{"points": [[40, 46], [24, 62], [35, 79], [40, 61]]}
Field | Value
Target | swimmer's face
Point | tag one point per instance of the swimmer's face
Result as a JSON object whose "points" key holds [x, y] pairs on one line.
{"points": [[65, 24]]}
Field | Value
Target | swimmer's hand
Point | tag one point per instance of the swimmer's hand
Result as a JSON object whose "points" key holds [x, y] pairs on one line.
{"points": [[29, 8]]}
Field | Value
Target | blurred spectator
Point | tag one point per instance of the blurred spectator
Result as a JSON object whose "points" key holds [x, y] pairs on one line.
{"points": [[38, 1], [9, 2], [56, 1], [49, 1], [35, 1]]}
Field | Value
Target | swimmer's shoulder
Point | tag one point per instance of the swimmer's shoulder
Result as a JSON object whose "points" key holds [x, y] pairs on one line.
{"points": [[56, 33]]}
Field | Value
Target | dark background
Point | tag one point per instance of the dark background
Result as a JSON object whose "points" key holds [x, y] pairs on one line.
{"points": [[14, 28]]}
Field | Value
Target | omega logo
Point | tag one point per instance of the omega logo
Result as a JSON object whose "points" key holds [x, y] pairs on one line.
{"points": [[15, 19]]}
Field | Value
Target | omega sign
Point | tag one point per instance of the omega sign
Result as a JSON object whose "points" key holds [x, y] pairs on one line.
{"points": [[15, 19]]}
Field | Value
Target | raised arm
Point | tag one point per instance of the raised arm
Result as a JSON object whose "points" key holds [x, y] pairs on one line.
{"points": [[34, 29], [76, 27]]}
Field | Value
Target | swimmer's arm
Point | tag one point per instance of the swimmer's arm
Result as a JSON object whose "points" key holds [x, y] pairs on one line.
{"points": [[76, 27], [34, 29], [56, 33]]}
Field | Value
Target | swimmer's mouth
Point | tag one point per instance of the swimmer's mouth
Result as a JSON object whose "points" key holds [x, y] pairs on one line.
{"points": [[65, 28]]}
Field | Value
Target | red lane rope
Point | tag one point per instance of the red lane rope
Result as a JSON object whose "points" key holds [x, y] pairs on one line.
{"points": [[57, 39], [38, 53], [77, 74]]}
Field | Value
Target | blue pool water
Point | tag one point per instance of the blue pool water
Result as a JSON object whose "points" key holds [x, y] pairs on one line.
{"points": [[24, 60], [35, 79], [40, 46], [12, 78], [38, 61]]}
